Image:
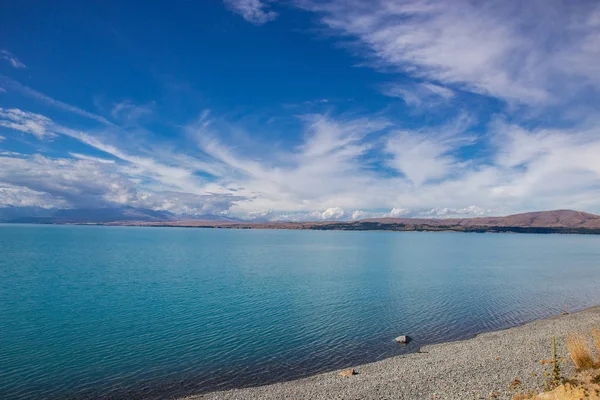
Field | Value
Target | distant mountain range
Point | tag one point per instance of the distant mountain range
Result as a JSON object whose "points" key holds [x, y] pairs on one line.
{"points": [[557, 221], [95, 215]]}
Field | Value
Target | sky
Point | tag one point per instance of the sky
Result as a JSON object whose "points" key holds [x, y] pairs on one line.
{"points": [[301, 109]]}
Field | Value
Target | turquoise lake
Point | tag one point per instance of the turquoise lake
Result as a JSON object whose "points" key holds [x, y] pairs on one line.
{"points": [[153, 313]]}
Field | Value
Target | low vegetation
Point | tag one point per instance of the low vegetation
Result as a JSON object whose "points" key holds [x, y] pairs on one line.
{"points": [[580, 352], [596, 338], [586, 382], [554, 379]]}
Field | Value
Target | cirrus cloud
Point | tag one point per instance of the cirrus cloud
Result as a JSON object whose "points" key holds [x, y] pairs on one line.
{"points": [[525, 52], [12, 60], [27, 122], [254, 11]]}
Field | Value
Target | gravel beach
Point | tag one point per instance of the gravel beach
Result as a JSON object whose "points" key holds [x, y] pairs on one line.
{"points": [[479, 368]]}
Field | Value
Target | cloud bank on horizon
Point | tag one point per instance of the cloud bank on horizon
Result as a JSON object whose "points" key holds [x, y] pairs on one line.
{"points": [[303, 110]]}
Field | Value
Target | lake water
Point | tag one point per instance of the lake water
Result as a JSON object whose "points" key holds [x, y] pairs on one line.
{"points": [[124, 312]]}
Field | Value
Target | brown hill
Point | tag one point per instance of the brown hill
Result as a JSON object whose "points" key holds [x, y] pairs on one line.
{"points": [[537, 219]]}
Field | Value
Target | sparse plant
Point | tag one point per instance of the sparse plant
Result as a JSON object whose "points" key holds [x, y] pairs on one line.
{"points": [[580, 352], [554, 378], [555, 363]]}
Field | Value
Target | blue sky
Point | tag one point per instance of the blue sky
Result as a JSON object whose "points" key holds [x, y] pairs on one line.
{"points": [[301, 109]]}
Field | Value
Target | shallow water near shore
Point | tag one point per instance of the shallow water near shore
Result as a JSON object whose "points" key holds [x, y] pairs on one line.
{"points": [[125, 312]]}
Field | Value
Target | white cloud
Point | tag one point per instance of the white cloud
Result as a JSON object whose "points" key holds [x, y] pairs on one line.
{"points": [[172, 177], [90, 158], [426, 155], [254, 11], [27, 122], [337, 214], [2, 138], [471, 211], [333, 213], [78, 183], [546, 164], [527, 52], [16, 196], [14, 61], [359, 214], [129, 113], [330, 138], [323, 170], [52, 102], [336, 167], [260, 214], [88, 183], [399, 212], [420, 94], [173, 188], [420, 158]]}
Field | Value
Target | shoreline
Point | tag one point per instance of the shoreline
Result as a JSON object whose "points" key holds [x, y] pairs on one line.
{"points": [[344, 227], [474, 368], [362, 226]]}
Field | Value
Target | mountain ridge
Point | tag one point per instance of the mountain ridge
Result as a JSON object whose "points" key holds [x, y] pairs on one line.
{"points": [[555, 221], [96, 215], [552, 218]]}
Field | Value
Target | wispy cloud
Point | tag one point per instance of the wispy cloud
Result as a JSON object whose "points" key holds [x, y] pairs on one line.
{"points": [[10, 83], [548, 163], [418, 94], [14, 61], [36, 180], [91, 158], [21, 196], [330, 175], [27, 122], [323, 172], [129, 113], [427, 154], [420, 158], [254, 11], [526, 52]]}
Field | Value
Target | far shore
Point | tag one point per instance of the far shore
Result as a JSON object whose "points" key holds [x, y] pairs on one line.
{"points": [[494, 365], [360, 226], [555, 221]]}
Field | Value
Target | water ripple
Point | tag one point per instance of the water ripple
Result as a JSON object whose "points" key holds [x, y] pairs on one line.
{"points": [[98, 312]]}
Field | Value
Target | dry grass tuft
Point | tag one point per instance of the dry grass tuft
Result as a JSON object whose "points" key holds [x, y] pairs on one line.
{"points": [[522, 396], [580, 352], [515, 384], [596, 337]]}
